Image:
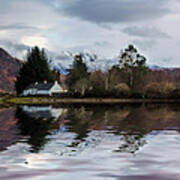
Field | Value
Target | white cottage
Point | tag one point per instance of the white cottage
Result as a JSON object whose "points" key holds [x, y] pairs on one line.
{"points": [[44, 89]]}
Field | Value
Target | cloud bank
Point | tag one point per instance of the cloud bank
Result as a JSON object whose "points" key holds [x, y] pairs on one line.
{"points": [[102, 27]]}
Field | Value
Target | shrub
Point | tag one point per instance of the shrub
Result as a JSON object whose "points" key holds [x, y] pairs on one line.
{"points": [[176, 92], [158, 90], [167, 88], [122, 89]]}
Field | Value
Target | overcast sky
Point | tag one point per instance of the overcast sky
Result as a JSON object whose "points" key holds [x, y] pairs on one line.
{"points": [[103, 27]]}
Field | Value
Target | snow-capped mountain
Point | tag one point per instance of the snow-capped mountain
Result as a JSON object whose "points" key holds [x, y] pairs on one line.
{"points": [[154, 67], [64, 62]]}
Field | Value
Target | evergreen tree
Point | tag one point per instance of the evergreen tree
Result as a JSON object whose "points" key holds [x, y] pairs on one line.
{"points": [[133, 64], [78, 71], [35, 69]]}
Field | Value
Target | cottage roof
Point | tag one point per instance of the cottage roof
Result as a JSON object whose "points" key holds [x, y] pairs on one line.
{"points": [[40, 86]]}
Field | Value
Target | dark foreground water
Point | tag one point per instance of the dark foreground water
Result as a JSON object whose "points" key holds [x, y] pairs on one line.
{"points": [[92, 143]]}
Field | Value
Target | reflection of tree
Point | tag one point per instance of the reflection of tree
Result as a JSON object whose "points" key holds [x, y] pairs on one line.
{"points": [[126, 122], [102, 117], [131, 123], [80, 122], [86, 119], [36, 129], [87, 124], [133, 129], [131, 143], [161, 113]]}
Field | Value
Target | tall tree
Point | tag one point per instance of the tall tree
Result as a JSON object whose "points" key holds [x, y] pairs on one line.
{"points": [[78, 71], [34, 69], [133, 64]]}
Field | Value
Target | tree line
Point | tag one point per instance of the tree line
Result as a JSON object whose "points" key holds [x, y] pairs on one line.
{"points": [[130, 78]]}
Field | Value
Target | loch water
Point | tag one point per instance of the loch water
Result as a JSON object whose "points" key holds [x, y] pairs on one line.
{"points": [[115, 142]]}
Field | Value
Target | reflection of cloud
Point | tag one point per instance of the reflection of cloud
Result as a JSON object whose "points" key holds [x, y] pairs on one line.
{"points": [[68, 145], [36, 161]]}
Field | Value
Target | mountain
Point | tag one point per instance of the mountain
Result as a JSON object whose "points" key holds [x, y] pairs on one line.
{"points": [[59, 68], [64, 61], [154, 67], [9, 68]]}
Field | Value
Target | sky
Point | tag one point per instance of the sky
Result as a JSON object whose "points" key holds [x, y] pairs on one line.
{"points": [[102, 27]]}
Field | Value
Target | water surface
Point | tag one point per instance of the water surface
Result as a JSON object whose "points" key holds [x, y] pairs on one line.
{"points": [[90, 142]]}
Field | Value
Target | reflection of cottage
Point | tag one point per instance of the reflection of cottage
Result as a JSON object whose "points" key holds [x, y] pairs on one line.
{"points": [[44, 89], [45, 112]]}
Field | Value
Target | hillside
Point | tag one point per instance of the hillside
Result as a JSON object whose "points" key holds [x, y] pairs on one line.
{"points": [[9, 68]]}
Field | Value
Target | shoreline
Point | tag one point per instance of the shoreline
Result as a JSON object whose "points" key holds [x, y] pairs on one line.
{"points": [[52, 100]]}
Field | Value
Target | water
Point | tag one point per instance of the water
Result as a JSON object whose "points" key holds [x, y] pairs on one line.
{"points": [[139, 142]]}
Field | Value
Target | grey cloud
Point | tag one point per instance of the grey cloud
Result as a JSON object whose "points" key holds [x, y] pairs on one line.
{"points": [[15, 49], [63, 56], [106, 11], [15, 46], [139, 177], [145, 44], [106, 26], [17, 27], [149, 32], [102, 43]]}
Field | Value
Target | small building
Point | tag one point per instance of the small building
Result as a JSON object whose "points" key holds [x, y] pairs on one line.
{"points": [[44, 89]]}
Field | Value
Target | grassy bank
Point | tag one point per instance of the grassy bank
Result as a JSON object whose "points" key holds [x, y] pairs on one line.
{"points": [[3, 102], [52, 100]]}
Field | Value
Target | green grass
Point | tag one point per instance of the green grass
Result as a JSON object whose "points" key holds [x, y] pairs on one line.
{"points": [[29, 100], [53, 100]]}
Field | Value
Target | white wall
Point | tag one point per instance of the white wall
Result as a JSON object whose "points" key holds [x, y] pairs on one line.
{"points": [[56, 89], [43, 92]]}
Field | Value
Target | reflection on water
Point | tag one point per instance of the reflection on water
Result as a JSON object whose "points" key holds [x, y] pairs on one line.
{"points": [[102, 142], [36, 123], [9, 131]]}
